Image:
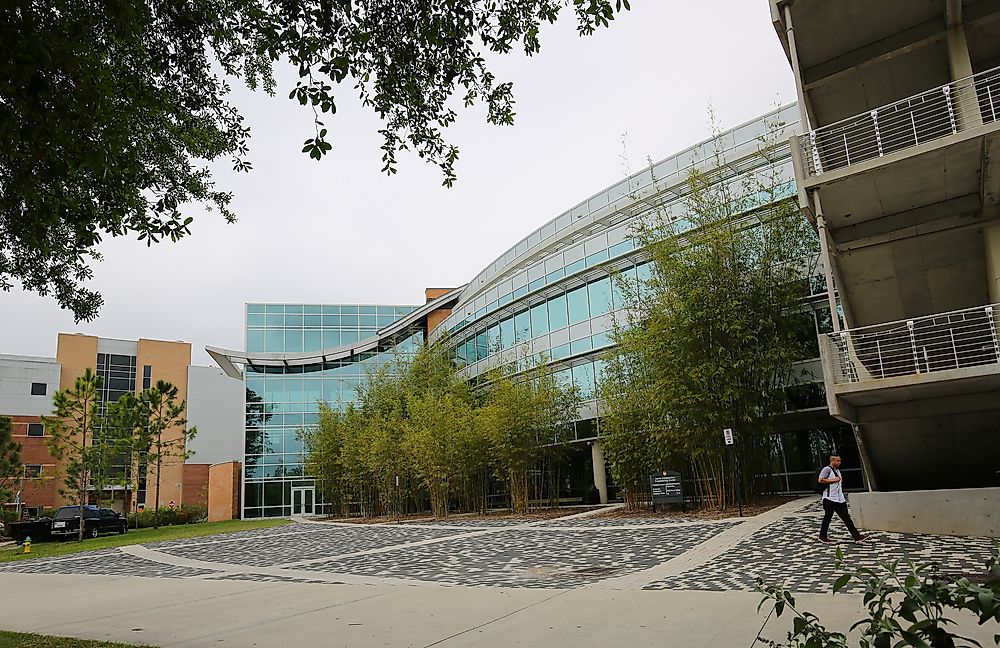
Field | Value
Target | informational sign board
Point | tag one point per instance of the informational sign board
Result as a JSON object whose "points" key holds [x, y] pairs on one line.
{"points": [[666, 487], [728, 435]]}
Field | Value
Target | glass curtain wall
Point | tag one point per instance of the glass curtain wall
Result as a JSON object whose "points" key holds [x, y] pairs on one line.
{"points": [[118, 377], [283, 400]]}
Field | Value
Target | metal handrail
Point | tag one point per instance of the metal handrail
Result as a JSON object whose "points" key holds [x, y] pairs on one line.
{"points": [[945, 110], [953, 340]]}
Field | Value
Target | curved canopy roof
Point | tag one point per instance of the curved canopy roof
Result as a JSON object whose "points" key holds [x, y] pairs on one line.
{"points": [[228, 359]]}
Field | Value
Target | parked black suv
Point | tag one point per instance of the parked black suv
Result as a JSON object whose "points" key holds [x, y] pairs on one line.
{"points": [[66, 522]]}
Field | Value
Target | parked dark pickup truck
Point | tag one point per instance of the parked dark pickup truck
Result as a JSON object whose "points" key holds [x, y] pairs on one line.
{"points": [[66, 522]]}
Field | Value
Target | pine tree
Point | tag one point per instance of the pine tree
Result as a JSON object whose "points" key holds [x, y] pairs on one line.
{"points": [[10, 460], [76, 416]]}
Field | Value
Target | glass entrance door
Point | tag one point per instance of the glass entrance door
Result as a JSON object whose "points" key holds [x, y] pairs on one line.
{"points": [[303, 501]]}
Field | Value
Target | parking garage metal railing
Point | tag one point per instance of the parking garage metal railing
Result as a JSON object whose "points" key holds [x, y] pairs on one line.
{"points": [[955, 340], [946, 110]]}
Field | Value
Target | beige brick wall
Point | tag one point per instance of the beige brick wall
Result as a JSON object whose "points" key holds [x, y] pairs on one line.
{"points": [[169, 361], [224, 482]]}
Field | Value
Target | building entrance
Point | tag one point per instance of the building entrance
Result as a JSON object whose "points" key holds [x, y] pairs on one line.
{"points": [[303, 501]]}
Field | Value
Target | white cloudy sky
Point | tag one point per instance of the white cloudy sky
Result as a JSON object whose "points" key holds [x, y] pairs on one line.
{"points": [[339, 231]]}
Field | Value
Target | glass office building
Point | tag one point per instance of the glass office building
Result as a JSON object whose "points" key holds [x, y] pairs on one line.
{"points": [[549, 295], [283, 398]]}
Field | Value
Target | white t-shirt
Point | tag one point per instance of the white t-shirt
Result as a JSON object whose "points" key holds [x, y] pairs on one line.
{"points": [[832, 492]]}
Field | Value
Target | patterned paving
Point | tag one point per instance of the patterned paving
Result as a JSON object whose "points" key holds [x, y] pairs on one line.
{"points": [[558, 553], [788, 551], [317, 542], [601, 522], [474, 523], [536, 557], [106, 562]]}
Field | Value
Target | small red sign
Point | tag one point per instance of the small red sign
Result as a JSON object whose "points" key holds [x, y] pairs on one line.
{"points": [[171, 504]]}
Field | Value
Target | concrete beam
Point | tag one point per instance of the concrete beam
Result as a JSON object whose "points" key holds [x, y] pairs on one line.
{"points": [[957, 212], [874, 54], [989, 177], [839, 409], [941, 143], [927, 406], [955, 223], [991, 237], [900, 44]]}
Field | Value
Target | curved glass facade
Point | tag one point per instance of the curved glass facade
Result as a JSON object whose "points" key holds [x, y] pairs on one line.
{"points": [[550, 295], [295, 328]]}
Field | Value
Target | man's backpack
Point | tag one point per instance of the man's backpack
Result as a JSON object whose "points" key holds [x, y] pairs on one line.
{"points": [[819, 488]]}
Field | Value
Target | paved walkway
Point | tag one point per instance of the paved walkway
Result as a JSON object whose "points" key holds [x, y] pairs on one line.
{"points": [[457, 582]]}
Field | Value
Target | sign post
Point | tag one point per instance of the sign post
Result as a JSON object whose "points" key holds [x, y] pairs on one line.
{"points": [[666, 488], [727, 435]]}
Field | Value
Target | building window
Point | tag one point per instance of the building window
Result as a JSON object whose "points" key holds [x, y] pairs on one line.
{"points": [[38, 389], [36, 430], [32, 471], [147, 376], [118, 373]]}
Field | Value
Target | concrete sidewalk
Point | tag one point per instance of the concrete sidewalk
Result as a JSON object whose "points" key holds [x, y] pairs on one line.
{"points": [[170, 613], [576, 581], [175, 612]]}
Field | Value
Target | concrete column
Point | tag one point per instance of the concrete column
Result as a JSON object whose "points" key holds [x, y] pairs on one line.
{"points": [[866, 463], [960, 64], [827, 257], [828, 250], [991, 236], [600, 477], [804, 116]]}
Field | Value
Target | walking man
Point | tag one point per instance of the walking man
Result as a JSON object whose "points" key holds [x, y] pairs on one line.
{"points": [[834, 501]]}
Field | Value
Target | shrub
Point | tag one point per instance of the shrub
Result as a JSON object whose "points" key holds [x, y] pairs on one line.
{"points": [[184, 514], [906, 605]]}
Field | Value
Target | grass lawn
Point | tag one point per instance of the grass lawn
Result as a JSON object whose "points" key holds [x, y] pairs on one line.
{"points": [[19, 640], [142, 536]]}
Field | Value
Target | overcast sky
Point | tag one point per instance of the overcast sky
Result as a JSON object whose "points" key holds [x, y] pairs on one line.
{"points": [[338, 231]]}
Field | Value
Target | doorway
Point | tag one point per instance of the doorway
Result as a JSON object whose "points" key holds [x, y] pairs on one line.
{"points": [[303, 501]]}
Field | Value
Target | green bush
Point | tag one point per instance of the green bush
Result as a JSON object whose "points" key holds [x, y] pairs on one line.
{"points": [[906, 604], [184, 514]]}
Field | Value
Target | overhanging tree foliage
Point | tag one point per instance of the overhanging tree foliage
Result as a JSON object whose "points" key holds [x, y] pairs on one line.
{"points": [[111, 111], [711, 341]]}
